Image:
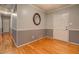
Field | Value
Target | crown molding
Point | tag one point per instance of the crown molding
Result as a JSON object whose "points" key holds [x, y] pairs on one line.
{"points": [[37, 8], [54, 10]]}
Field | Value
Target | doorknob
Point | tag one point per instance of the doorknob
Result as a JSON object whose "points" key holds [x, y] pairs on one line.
{"points": [[66, 28]]}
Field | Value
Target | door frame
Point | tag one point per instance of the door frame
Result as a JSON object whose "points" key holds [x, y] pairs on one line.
{"points": [[2, 15]]}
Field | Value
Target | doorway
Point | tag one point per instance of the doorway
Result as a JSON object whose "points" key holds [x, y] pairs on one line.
{"points": [[5, 24]]}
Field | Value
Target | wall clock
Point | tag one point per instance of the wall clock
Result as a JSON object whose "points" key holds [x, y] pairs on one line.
{"points": [[37, 19]]}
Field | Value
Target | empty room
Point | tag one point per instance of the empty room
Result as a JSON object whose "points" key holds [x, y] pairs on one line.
{"points": [[39, 29]]}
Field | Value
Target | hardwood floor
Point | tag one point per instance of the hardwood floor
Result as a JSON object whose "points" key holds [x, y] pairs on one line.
{"points": [[7, 45], [0, 41], [42, 46]]}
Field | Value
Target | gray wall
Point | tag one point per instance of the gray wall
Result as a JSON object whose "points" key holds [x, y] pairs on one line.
{"points": [[29, 35], [25, 17], [0, 30], [74, 36], [13, 22], [74, 28], [49, 25], [0, 25], [25, 31], [22, 37], [74, 17], [14, 33], [73, 11], [49, 32], [13, 27]]}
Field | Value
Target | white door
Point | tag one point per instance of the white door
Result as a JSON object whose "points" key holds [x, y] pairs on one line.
{"points": [[6, 24], [60, 25]]}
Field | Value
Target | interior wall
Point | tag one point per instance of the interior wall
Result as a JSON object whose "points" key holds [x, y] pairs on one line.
{"points": [[25, 18], [73, 18], [73, 15], [0, 25], [13, 26], [74, 28], [49, 25], [26, 30], [73, 22]]}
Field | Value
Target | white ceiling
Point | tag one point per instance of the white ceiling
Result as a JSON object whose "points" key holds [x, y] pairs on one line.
{"points": [[45, 7], [48, 7], [7, 7]]}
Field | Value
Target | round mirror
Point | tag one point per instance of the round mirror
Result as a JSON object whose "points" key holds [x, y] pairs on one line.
{"points": [[36, 19]]}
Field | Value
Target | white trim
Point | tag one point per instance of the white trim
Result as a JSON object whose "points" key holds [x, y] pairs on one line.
{"points": [[14, 42], [67, 41], [61, 40], [44, 37], [74, 43], [74, 29], [65, 29], [28, 29], [30, 42], [51, 11], [37, 8]]}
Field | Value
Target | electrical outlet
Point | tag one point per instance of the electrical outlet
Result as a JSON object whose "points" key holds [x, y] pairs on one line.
{"points": [[47, 33], [33, 36]]}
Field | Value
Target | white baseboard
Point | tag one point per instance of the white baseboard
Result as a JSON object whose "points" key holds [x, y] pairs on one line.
{"points": [[61, 40], [74, 29], [14, 42], [74, 43], [67, 41], [30, 42], [40, 39]]}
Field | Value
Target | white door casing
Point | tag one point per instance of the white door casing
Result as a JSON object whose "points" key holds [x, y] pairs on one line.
{"points": [[6, 25]]}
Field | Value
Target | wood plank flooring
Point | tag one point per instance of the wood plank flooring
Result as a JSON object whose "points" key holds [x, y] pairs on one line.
{"points": [[42, 46], [0, 41]]}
